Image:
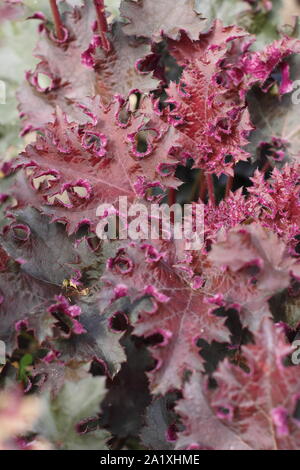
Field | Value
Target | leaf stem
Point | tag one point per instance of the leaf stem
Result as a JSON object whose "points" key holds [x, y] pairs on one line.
{"points": [[59, 28], [171, 201], [203, 186], [229, 183], [266, 167], [102, 23], [210, 187]]}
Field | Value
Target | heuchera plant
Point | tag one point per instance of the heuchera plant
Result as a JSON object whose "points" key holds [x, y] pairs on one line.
{"points": [[125, 344]]}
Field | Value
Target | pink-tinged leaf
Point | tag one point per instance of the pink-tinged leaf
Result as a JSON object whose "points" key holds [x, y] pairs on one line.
{"points": [[79, 67], [11, 11], [60, 64], [50, 374], [151, 316], [274, 118], [95, 339], [259, 403], [47, 253], [259, 65], [279, 202], [67, 317], [203, 430], [116, 72], [186, 50], [74, 169], [53, 278], [217, 127], [170, 312], [209, 102], [243, 68], [256, 266], [214, 117], [124, 406], [154, 19], [159, 419], [231, 211], [78, 330], [25, 304]]}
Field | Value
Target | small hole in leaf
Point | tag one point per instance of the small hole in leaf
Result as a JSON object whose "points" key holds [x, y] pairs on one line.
{"points": [[123, 264], [222, 411], [182, 87], [88, 425], [176, 118], [62, 198], [63, 322], [154, 339], [208, 245], [228, 159], [43, 181], [152, 366], [91, 139], [119, 321], [26, 339], [94, 243], [165, 169], [95, 142], [212, 383], [81, 191], [124, 116], [149, 305], [21, 233], [134, 100], [83, 230], [141, 143], [44, 81], [98, 368], [297, 246], [219, 79]]}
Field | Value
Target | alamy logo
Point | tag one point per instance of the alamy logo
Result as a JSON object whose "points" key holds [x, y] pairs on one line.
{"points": [[153, 221], [2, 353], [296, 93], [296, 354]]}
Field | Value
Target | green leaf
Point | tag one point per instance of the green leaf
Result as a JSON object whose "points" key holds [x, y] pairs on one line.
{"points": [[254, 18], [76, 402], [25, 361]]}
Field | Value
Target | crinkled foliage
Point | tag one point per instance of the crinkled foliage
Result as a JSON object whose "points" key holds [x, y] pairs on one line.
{"points": [[262, 399], [173, 311], [75, 67], [73, 169], [148, 19], [139, 342]]}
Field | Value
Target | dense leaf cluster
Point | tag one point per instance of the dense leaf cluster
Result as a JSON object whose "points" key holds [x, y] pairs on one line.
{"points": [[127, 344]]}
